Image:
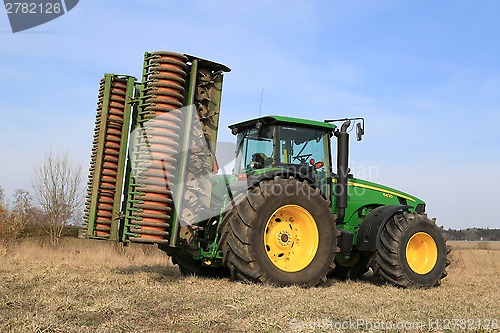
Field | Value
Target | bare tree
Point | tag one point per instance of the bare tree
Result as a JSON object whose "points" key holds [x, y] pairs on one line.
{"points": [[4, 217], [57, 186], [12, 222], [22, 205]]}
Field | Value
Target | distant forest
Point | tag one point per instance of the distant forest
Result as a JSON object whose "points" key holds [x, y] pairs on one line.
{"points": [[473, 234]]}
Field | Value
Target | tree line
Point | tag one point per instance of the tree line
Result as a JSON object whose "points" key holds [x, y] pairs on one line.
{"points": [[474, 234], [56, 201]]}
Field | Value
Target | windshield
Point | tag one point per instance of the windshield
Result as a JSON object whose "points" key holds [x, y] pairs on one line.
{"points": [[301, 145]]}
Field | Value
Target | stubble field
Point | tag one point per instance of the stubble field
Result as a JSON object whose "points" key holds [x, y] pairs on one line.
{"points": [[92, 286]]}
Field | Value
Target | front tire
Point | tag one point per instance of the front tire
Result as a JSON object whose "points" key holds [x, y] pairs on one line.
{"points": [[411, 252], [282, 232]]}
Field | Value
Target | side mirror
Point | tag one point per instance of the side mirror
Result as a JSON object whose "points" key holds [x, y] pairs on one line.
{"points": [[360, 131]]}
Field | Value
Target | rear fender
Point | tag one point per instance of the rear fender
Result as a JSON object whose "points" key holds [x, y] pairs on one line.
{"points": [[254, 180]]}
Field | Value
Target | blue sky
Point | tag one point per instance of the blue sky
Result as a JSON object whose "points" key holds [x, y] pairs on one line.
{"points": [[424, 74]]}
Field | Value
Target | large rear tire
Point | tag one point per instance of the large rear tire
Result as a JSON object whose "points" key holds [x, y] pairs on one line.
{"points": [[281, 232], [411, 252]]}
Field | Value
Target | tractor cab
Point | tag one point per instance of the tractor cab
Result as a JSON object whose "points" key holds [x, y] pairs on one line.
{"points": [[298, 146]]}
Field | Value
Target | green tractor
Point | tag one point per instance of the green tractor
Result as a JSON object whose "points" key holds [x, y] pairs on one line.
{"points": [[283, 217], [292, 220]]}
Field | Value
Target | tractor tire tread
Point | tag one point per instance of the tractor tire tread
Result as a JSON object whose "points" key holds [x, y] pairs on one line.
{"points": [[238, 229], [388, 259]]}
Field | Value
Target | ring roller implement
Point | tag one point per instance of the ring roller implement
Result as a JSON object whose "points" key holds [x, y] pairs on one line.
{"points": [[167, 177], [155, 144], [109, 149], [169, 182]]}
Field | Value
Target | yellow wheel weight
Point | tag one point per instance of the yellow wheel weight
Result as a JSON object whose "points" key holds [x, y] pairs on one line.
{"points": [[291, 238]]}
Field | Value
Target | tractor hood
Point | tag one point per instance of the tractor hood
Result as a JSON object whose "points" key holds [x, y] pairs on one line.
{"points": [[384, 194]]}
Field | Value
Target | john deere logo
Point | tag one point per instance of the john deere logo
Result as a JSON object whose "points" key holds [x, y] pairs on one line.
{"points": [[28, 14]]}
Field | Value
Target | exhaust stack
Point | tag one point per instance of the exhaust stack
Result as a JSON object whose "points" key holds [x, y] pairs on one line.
{"points": [[342, 170]]}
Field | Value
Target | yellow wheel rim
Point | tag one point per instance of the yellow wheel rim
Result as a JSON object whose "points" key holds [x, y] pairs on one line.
{"points": [[291, 238], [421, 253]]}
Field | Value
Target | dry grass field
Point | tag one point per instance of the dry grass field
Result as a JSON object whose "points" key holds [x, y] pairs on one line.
{"points": [[91, 286]]}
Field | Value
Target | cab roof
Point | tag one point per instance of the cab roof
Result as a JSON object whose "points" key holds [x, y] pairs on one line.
{"points": [[281, 120]]}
